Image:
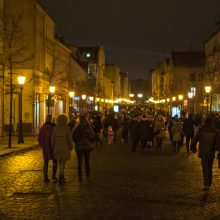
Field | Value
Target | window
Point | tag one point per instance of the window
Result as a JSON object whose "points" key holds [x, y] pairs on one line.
{"points": [[92, 71]]}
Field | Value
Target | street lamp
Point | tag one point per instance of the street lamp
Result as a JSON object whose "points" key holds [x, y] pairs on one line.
{"points": [[207, 90], [83, 97], [71, 95], [21, 81], [190, 96], [180, 97], [173, 98], [51, 91]]}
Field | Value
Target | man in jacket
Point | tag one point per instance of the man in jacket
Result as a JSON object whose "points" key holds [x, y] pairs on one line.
{"points": [[207, 136], [188, 129]]}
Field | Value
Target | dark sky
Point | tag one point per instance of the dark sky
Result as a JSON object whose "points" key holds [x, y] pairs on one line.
{"points": [[136, 34]]}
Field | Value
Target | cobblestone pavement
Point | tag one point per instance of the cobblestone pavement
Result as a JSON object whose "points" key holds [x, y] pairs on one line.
{"points": [[123, 186]]}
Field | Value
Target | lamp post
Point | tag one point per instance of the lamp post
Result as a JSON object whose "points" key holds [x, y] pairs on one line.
{"points": [[191, 109], [207, 90], [83, 101], [51, 91], [21, 81], [71, 95]]}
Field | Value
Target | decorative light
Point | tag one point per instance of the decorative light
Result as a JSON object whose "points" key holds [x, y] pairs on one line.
{"points": [[131, 95], [140, 95], [168, 99]]}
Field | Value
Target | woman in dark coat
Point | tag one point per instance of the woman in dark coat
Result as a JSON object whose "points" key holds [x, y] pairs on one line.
{"points": [[44, 139], [97, 129], [144, 132], [124, 129], [208, 138], [83, 136]]}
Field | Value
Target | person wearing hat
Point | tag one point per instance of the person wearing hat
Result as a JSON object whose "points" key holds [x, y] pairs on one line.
{"points": [[207, 136]]}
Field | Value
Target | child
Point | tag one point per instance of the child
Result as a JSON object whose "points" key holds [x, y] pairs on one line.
{"points": [[110, 135]]}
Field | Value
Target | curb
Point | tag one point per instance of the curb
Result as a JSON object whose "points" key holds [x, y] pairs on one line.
{"points": [[19, 151]]}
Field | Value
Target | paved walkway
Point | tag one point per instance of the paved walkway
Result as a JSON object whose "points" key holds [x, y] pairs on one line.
{"points": [[30, 142], [123, 186]]}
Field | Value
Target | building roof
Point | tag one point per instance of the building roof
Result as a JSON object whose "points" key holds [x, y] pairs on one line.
{"points": [[188, 59], [215, 30]]}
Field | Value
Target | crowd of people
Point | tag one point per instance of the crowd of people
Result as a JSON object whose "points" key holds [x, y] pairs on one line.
{"points": [[138, 129]]}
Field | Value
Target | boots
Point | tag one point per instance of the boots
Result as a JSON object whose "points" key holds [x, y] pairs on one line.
{"points": [[46, 179], [54, 170]]}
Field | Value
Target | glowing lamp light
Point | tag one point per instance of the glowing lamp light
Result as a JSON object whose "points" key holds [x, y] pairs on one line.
{"points": [[168, 99], [52, 89], [131, 95], [140, 95], [180, 97], [173, 98], [71, 94], [83, 97], [207, 89], [190, 95], [21, 80]]}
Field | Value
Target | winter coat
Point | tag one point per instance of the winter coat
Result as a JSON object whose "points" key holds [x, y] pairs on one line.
{"points": [[144, 129], [188, 127], [158, 127], [44, 139], [62, 143], [177, 131], [208, 138], [83, 137], [134, 129]]}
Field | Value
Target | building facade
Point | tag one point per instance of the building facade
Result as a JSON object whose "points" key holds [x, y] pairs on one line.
{"points": [[179, 75], [44, 60], [212, 70]]}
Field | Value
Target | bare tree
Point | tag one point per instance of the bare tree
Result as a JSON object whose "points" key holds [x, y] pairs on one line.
{"points": [[14, 50]]}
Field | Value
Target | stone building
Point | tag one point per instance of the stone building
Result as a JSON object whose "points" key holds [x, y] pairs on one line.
{"points": [[43, 59], [212, 70], [182, 73]]}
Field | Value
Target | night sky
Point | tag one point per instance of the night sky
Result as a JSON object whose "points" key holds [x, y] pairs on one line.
{"points": [[136, 34]]}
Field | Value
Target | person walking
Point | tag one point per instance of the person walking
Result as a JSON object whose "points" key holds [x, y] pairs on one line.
{"points": [[97, 129], [124, 129], [44, 139], [144, 131], [62, 144], [83, 136], [177, 134], [158, 131], [188, 129], [208, 139], [134, 132]]}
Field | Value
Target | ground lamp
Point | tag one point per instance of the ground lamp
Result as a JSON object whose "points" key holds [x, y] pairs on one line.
{"points": [[21, 81]]}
